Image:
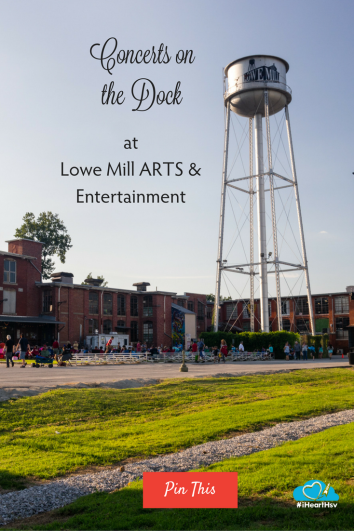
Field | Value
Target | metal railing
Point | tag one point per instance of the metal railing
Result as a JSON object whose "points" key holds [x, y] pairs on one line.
{"points": [[163, 357], [239, 86]]}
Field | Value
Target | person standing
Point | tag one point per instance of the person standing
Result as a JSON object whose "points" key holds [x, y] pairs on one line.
{"points": [[320, 352], [330, 351], [23, 348], [55, 347], [297, 350], [223, 350], [287, 350], [109, 345], [195, 351], [138, 347], [241, 348], [304, 351], [9, 345], [201, 348]]}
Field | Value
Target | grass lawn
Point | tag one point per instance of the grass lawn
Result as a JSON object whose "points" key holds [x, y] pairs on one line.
{"points": [[105, 426], [266, 483]]}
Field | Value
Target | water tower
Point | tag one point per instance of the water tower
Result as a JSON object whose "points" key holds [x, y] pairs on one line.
{"points": [[256, 88]]}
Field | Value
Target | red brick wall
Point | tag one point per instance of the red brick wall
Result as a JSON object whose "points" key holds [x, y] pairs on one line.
{"points": [[29, 248], [28, 296]]}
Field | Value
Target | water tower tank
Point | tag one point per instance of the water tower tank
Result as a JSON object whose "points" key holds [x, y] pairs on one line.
{"points": [[248, 77]]}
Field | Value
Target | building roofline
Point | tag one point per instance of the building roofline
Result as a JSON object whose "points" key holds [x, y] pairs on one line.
{"points": [[15, 255], [23, 239], [100, 288], [290, 297], [182, 309]]}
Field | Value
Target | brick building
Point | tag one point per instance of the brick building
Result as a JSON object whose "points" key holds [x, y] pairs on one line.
{"points": [[333, 313], [68, 311]]}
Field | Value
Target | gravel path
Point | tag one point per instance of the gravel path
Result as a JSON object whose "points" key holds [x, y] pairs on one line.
{"points": [[64, 491]]}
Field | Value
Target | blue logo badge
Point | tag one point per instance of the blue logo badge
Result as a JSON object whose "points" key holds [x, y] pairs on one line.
{"points": [[315, 490]]}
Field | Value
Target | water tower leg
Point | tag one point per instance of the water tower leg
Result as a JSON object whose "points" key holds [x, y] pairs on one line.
{"points": [[301, 228], [262, 239], [251, 226], [274, 217], [222, 219]]}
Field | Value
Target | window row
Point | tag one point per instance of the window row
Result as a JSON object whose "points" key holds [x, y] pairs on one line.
{"points": [[121, 305], [148, 330]]}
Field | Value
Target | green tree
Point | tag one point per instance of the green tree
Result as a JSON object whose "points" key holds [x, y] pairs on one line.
{"points": [[104, 283], [51, 231], [211, 298]]}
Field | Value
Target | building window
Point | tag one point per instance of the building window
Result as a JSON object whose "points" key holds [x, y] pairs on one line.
{"points": [[231, 311], [246, 327], [134, 306], [285, 307], [301, 307], [270, 308], [209, 313], [134, 335], [302, 326], [200, 311], [191, 306], [341, 304], [121, 305], [107, 304], [147, 306], [181, 302], [120, 326], [286, 325], [93, 326], [321, 305], [341, 327], [148, 332], [10, 271], [107, 326], [246, 311], [93, 303], [47, 302]]}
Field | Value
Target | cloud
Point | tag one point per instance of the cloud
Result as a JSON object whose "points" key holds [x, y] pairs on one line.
{"points": [[313, 490]]}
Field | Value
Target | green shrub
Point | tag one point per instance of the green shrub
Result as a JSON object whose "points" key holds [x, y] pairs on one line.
{"points": [[317, 341], [253, 340]]}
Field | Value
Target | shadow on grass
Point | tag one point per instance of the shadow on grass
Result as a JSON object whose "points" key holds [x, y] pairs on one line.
{"points": [[124, 510], [10, 481]]}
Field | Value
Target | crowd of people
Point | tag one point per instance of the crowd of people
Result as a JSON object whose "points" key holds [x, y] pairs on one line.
{"points": [[21, 350], [305, 351], [220, 354]]}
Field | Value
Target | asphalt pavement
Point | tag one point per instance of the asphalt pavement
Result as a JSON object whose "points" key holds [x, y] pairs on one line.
{"points": [[45, 376]]}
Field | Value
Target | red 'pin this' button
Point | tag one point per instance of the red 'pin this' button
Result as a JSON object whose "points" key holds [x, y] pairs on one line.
{"points": [[188, 490]]}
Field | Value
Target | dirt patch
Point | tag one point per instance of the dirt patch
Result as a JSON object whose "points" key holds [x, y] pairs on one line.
{"points": [[38, 519]]}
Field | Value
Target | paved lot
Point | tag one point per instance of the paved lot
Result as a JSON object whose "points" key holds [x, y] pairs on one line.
{"points": [[32, 377]]}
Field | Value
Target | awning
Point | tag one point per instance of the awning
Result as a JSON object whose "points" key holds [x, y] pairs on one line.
{"points": [[24, 319], [182, 309]]}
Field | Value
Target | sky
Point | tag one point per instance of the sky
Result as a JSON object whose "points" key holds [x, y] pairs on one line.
{"points": [[51, 113]]}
